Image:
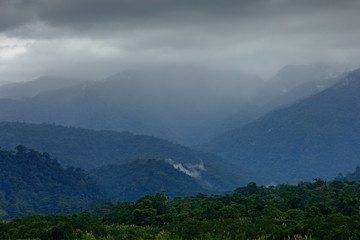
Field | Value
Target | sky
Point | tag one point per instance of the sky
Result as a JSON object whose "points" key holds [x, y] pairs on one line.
{"points": [[96, 38]]}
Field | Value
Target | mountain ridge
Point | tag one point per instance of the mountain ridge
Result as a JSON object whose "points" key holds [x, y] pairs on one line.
{"points": [[20, 90], [87, 148], [319, 134]]}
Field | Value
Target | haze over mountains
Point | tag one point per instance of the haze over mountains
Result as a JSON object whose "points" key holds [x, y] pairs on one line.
{"points": [[187, 106], [318, 136], [161, 104], [21, 90], [311, 130], [291, 84]]}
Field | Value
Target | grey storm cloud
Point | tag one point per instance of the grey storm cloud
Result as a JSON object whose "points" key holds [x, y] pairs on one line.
{"points": [[105, 36], [14, 14], [212, 16]]}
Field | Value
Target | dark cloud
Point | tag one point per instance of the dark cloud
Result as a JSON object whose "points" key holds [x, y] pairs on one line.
{"points": [[213, 15], [245, 19], [89, 12], [14, 13], [257, 36]]}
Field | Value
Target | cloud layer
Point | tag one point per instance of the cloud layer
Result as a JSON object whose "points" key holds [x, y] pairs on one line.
{"points": [[93, 39]]}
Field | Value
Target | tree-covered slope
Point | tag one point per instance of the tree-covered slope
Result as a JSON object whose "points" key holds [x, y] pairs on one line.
{"points": [[89, 148], [33, 183], [319, 136], [130, 181]]}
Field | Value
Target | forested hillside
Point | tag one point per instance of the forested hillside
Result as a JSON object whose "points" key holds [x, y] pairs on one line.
{"points": [[34, 183], [89, 148], [319, 136], [129, 182]]}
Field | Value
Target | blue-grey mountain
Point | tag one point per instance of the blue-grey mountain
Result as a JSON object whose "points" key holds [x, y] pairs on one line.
{"points": [[21, 90], [175, 104], [319, 136]]}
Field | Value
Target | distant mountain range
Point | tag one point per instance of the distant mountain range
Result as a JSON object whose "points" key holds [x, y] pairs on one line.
{"points": [[21, 90], [290, 85], [175, 104], [162, 105], [318, 136], [181, 105]]}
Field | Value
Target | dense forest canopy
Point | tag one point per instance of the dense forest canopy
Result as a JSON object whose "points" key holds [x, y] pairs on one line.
{"points": [[130, 181], [315, 210], [34, 183]]}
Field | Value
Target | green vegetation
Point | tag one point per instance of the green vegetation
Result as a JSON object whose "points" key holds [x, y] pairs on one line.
{"points": [[316, 210], [87, 149], [51, 227], [34, 183], [129, 182]]}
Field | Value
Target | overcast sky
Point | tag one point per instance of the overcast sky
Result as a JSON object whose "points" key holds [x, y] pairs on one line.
{"points": [[97, 38]]}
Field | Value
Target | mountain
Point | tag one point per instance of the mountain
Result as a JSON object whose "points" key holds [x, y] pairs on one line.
{"points": [[89, 148], [292, 76], [185, 105], [177, 104], [31, 88], [131, 181], [290, 85], [34, 183], [318, 136]]}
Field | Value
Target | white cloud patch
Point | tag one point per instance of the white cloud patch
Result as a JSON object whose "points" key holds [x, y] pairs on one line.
{"points": [[192, 170], [11, 48]]}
